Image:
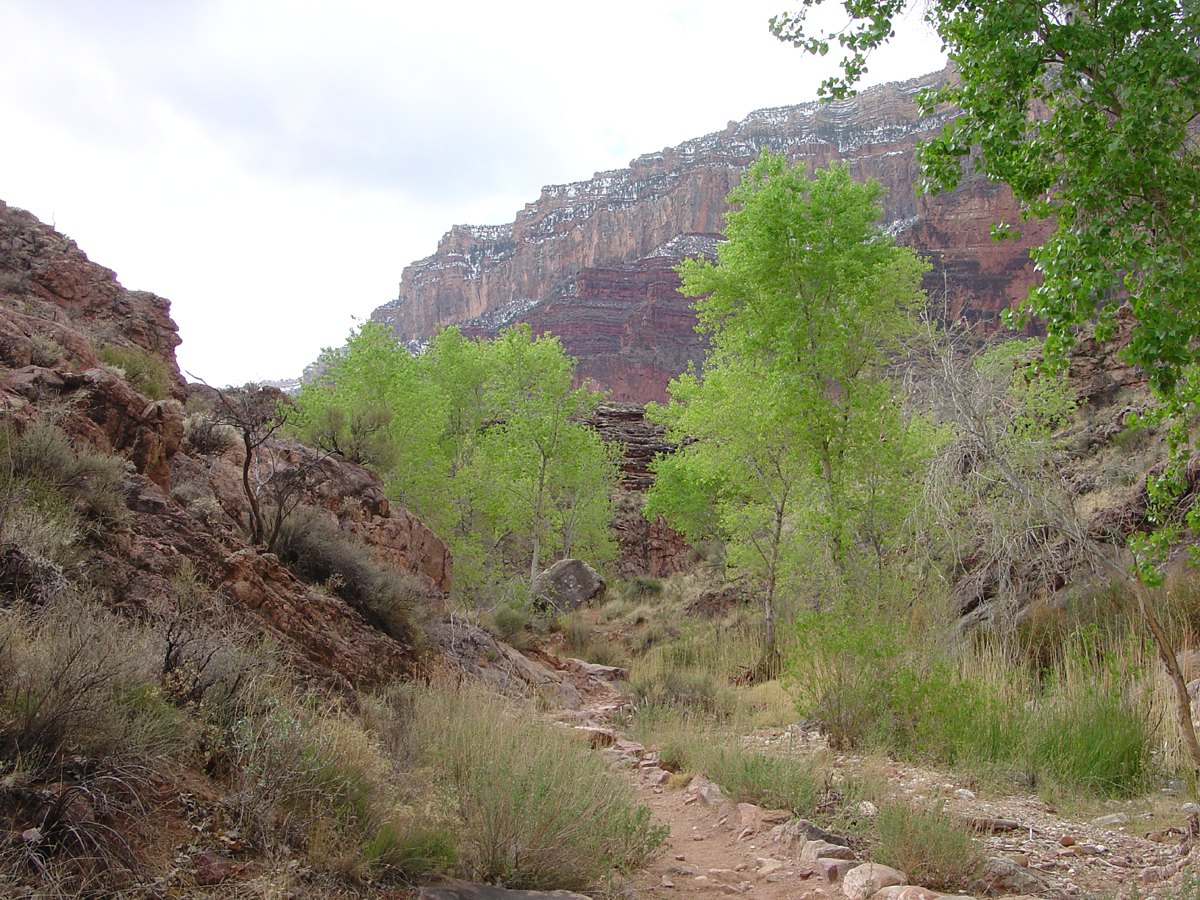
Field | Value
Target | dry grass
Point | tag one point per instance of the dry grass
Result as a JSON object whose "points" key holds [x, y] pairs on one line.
{"points": [[536, 808]]}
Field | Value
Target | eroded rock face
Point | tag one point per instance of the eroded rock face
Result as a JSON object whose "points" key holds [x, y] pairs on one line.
{"points": [[45, 276], [184, 527], [592, 261]]}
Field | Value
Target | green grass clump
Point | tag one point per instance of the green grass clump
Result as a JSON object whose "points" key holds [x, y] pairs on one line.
{"points": [[1081, 718], [773, 782], [535, 808], [146, 373], [931, 847]]}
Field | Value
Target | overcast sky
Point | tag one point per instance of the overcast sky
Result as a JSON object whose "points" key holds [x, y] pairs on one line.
{"points": [[271, 166]]}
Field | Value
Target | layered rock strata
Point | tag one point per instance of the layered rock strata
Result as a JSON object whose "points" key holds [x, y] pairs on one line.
{"points": [[592, 261]]}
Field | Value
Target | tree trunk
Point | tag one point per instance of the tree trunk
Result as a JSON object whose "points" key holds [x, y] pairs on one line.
{"points": [[256, 522], [537, 523], [1183, 703]]}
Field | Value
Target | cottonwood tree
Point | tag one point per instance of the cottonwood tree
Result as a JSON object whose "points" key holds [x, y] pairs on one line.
{"points": [[484, 442], [537, 437], [798, 419], [1088, 111]]}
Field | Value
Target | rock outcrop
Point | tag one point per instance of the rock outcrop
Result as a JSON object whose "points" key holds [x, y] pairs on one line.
{"points": [[50, 282], [182, 528], [593, 261]]}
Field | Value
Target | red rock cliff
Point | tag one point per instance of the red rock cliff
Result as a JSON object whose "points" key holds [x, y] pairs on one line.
{"points": [[592, 261]]}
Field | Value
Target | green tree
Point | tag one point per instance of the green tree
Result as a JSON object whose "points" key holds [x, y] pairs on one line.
{"points": [[1088, 111], [797, 419], [481, 439], [538, 440], [743, 462]]}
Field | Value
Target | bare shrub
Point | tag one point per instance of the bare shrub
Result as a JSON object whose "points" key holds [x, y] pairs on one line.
{"points": [[75, 680], [204, 433]]}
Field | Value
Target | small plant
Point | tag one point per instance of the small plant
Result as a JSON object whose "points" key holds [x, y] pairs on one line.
{"points": [[13, 282], [773, 782], [316, 551], [203, 433], [146, 373], [578, 636], [46, 351], [510, 624], [537, 809], [646, 586], [931, 847], [50, 468]]}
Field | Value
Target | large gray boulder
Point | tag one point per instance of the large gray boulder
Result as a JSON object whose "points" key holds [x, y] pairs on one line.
{"points": [[567, 585]]}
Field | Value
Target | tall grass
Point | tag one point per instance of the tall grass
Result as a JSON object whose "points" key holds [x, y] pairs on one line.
{"points": [[536, 808], [1084, 717]]}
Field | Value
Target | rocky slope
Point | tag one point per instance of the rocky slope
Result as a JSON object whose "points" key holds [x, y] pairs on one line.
{"points": [[185, 509], [592, 261]]}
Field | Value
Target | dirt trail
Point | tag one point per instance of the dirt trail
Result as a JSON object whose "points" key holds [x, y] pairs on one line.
{"points": [[1145, 848]]}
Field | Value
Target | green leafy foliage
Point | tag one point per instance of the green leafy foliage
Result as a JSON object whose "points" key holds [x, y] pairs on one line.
{"points": [[1088, 112], [801, 448], [482, 440], [147, 373]]}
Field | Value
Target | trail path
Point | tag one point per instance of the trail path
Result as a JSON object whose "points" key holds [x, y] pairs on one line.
{"points": [[717, 847]]}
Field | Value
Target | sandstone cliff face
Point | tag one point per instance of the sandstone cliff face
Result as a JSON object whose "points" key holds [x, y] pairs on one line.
{"points": [[591, 261]]}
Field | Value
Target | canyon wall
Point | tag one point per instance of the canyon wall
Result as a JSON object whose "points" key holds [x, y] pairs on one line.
{"points": [[593, 261]]}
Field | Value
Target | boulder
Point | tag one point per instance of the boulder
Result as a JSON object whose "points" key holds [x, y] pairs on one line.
{"points": [[1001, 875], [567, 585], [819, 849], [793, 835], [868, 879]]}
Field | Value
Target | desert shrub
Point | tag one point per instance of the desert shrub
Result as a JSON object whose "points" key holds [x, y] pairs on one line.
{"points": [[205, 433], [412, 848], [14, 282], [693, 691], [578, 635], [46, 351], [297, 771], [312, 546], [933, 848], [387, 715], [536, 808], [77, 681], [774, 782], [1076, 716], [646, 586], [510, 623], [146, 373], [614, 609], [47, 468]]}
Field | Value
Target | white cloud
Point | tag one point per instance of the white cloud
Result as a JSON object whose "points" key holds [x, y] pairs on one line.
{"points": [[272, 166]]}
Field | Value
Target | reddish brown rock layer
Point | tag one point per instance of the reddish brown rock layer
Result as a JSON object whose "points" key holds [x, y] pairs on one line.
{"points": [[585, 261], [186, 511], [48, 278]]}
